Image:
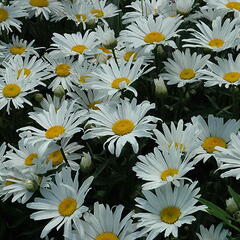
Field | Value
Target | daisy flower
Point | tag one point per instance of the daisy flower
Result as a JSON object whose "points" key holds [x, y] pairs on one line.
{"points": [[112, 77], [184, 68], [229, 158], [74, 44], [18, 46], [123, 122], [56, 124], [14, 90], [3, 148], [167, 209], [63, 202], [62, 71], [9, 17], [221, 36], [213, 133], [107, 223], [34, 8], [159, 168], [185, 139], [213, 233], [151, 32], [226, 72]]}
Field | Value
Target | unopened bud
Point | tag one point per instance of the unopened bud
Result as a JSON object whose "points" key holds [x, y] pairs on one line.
{"points": [[160, 87], [108, 39], [59, 91], [86, 162], [91, 23], [38, 97], [160, 50], [232, 207], [31, 185]]}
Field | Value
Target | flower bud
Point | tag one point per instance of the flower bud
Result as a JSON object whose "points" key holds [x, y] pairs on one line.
{"points": [[108, 39], [160, 87], [31, 185], [59, 91], [38, 97], [86, 162], [231, 206]]}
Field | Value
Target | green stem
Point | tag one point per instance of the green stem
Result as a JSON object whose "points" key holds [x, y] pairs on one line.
{"points": [[115, 57], [64, 157]]}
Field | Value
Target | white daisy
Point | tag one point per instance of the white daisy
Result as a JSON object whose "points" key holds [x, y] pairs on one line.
{"points": [[107, 223], [226, 72], [3, 148], [221, 36], [213, 233], [159, 168], [167, 209], [9, 17], [63, 202], [213, 133], [151, 32], [184, 68], [123, 123]]}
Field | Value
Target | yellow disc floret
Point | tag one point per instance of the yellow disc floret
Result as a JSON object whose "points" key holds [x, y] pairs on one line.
{"points": [[97, 13], [3, 14], [39, 3], [54, 131], [233, 5], [210, 143], [56, 158], [11, 90], [116, 82], [79, 48], [170, 214], [106, 236], [216, 42], [28, 161], [129, 54], [81, 17], [123, 127], [62, 70], [16, 50], [187, 74], [154, 37], [67, 207], [169, 172], [231, 77], [25, 71]]}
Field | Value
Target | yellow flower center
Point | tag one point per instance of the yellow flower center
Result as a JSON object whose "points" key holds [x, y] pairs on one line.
{"points": [[39, 3], [231, 77], [17, 50], [97, 13], [67, 207], [105, 50], [106, 236], [116, 82], [81, 17], [62, 70], [187, 74], [233, 5], [54, 131], [82, 79], [210, 143], [179, 146], [128, 55], [56, 158], [154, 37], [25, 71], [3, 14], [170, 214], [216, 42], [169, 172], [93, 106], [11, 90], [28, 161], [122, 127], [79, 48], [7, 183]]}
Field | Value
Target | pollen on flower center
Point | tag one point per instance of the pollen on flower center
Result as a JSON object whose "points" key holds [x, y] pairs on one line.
{"points": [[170, 214], [216, 42], [106, 236], [25, 71], [231, 77], [129, 54], [56, 158], [67, 207], [3, 14], [116, 82], [122, 127], [210, 143], [54, 131], [79, 48], [39, 3], [28, 161], [233, 5], [154, 37], [81, 17], [82, 79], [93, 106], [97, 13], [169, 172], [17, 50], [11, 90], [62, 70], [187, 74]]}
